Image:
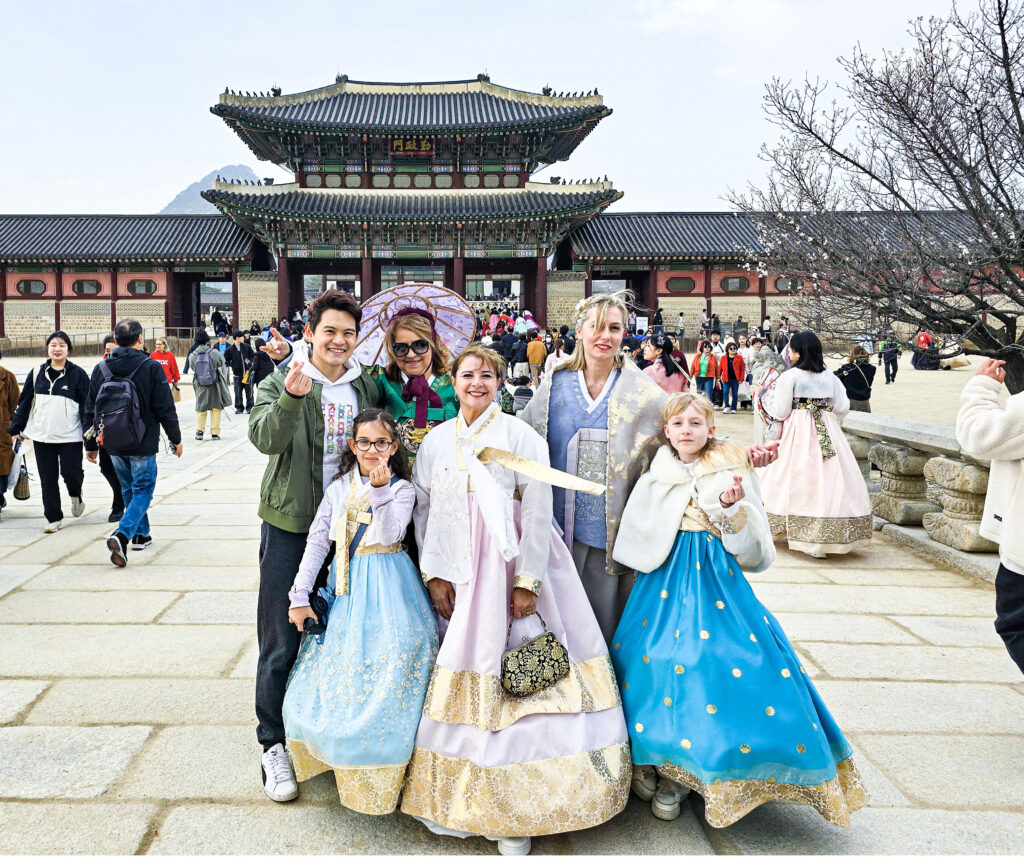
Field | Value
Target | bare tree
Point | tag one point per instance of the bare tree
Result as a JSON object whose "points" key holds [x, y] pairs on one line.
{"points": [[901, 203]]}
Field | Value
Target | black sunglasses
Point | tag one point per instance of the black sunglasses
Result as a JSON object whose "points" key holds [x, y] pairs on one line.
{"points": [[420, 347]]}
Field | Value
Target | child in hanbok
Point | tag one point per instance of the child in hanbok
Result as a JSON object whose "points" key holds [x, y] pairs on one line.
{"points": [[487, 763], [715, 697], [354, 700]]}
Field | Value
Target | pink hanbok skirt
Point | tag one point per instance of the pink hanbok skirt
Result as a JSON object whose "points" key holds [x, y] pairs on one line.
{"points": [[487, 763], [818, 505]]}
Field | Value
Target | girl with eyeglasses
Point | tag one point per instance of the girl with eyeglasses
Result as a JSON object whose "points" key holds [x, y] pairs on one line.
{"points": [[357, 688], [415, 386]]}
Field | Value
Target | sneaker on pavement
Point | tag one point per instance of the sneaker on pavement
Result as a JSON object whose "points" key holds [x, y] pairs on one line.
{"points": [[665, 804], [645, 782], [278, 775], [215, 437], [117, 544], [77, 506], [199, 434], [53, 527], [141, 542], [513, 846], [115, 515]]}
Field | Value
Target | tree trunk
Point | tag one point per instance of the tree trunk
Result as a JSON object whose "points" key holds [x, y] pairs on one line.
{"points": [[1014, 368]]}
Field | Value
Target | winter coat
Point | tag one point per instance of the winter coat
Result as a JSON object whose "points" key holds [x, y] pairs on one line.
{"points": [[263, 366], [712, 372], [52, 413], [9, 392], [238, 357], [857, 379], [169, 364], [215, 396], [737, 372]]}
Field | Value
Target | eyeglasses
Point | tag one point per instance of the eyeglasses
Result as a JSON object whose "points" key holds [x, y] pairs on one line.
{"points": [[378, 444], [420, 347]]}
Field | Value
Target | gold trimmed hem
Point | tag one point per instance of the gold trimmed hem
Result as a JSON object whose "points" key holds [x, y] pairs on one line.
{"points": [[534, 798], [839, 533], [728, 800], [472, 698], [369, 790]]}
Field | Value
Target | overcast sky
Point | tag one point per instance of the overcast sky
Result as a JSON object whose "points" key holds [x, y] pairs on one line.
{"points": [[105, 105]]}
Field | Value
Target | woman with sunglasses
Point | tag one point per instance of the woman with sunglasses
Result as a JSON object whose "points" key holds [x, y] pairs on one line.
{"points": [[415, 386]]}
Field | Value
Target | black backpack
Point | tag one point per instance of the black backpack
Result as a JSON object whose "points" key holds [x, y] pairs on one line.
{"points": [[118, 413]]}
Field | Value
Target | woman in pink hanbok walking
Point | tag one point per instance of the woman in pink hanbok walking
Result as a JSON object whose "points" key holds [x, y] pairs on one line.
{"points": [[814, 493]]}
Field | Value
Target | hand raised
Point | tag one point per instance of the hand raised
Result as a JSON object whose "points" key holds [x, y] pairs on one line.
{"points": [[381, 475], [297, 383], [733, 493], [993, 369], [762, 455], [278, 348]]}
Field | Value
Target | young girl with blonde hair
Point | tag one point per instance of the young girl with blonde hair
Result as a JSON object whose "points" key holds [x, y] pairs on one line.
{"points": [[715, 697]]}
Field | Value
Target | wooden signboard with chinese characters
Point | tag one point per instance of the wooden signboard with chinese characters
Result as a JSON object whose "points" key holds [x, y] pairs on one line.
{"points": [[412, 146]]}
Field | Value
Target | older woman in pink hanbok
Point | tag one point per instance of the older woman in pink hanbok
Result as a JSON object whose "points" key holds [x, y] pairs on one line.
{"points": [[814, 493]]}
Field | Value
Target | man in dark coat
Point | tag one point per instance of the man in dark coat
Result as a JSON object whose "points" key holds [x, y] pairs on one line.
{"points": [[239, 358]]}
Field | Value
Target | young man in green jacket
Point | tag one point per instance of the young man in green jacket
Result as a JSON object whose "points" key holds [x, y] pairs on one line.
{"points": [[302, 420]]}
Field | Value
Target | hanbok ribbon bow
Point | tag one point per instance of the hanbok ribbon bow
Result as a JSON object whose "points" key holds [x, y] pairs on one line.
{"points": [[417, 389], [816, 406]]}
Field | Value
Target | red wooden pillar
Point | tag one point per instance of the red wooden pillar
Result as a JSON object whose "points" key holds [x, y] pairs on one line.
{"points": [[323, 283], [283, 287], [113, 296], [366, 279], [762, 294], [458, 277], [234, 300], [651, 291], [707, 287], [3, 300], [169, 300], [588, 285], [59, 271], [541, 292]]}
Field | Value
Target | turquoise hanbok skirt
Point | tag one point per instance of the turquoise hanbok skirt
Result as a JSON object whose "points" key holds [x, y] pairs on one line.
{"points": [[354, 701], [715, 696]]}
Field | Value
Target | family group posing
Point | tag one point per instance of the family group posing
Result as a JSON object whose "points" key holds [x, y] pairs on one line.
{"points": [[380, 645]]}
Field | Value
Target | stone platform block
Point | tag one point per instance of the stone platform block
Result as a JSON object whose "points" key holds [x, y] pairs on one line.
{"points": [[113, 607], [843, 628], [65, 762], [154, 702], [63, 829], [213, 607], [15, 695], [885, 662], [778, 829], [953, 630], [119, 650], [927, 708], [982, 770], [92, 578], [902, 497], [957, 533]]}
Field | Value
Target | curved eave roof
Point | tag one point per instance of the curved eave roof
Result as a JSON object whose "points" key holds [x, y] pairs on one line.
{"points": [[118, 238], [663, 235], [533, 201]]}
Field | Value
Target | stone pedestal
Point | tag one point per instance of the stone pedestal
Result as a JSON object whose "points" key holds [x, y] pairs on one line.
{"points": [[861, 448], [959, 489], [903, 495]]}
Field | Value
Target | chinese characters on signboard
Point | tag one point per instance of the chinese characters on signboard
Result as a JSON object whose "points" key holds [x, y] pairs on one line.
{"points": [[412, 146]]}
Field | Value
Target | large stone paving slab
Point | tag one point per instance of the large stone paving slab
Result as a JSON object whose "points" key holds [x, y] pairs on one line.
{"points": [[13, 576], [900, 577], [138, 701], [843, 628], [806, 598], [881, 661], [199, 554], [213, 607], [15, 695], [953, 630], [778, 829], [113, 607], [65, 762], [94, 578], [635, 831], [923, 707], [119, 650], [28, 829], [941, 769]]}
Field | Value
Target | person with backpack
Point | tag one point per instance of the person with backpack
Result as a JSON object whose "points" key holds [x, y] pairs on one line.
{"points": [[128, 403], [106, 464], [208, 383], [239, 357], [51, 412]]}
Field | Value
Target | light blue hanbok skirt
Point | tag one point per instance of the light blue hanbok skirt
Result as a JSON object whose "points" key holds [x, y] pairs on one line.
{"points": [[354, 701], [715, 696]]}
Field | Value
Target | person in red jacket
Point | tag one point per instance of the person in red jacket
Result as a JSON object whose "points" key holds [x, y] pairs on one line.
{"points": [[166, 360], [705, 369], [731, 370]]}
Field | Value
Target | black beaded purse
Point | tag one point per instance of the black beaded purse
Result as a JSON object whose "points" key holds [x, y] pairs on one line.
{"points": [[533, 665]]}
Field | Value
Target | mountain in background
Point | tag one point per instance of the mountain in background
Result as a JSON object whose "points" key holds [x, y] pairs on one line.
{"points": [[189, 199]]}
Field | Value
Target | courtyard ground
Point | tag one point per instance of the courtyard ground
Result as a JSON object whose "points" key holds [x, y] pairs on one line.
{"points": [[126, 694]]}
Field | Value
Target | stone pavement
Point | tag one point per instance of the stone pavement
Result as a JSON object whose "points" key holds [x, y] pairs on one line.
{"points": [[126, 695]]}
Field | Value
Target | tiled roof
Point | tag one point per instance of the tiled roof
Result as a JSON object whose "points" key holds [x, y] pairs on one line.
{"points": [[387, 205], [661, 235], [368, 107], [100, 238]]}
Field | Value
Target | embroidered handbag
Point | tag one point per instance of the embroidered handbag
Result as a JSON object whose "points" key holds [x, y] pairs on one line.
{"points": [[535, 664]]}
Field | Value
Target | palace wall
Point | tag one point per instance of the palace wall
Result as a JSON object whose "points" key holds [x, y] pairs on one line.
{"points": [[257, 297]]}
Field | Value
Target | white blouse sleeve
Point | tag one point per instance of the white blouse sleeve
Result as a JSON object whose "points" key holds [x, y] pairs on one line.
{"points": [[536, 516], [782, 397], [421, 490], [841, 401], [392, 509], [318, 545], [744, 524]]}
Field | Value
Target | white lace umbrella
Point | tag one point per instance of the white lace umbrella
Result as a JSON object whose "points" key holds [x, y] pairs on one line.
{"points": [[454, 319]]}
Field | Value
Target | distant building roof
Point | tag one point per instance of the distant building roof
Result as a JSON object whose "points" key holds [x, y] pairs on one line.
{"points": [[663, 235], [110, 238]]}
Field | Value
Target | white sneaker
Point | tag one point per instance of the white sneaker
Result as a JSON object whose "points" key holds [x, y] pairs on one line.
{"points": [[77, 506], [53, 527], [666, 802], [645, 782], [278, 775], [514, 846]]}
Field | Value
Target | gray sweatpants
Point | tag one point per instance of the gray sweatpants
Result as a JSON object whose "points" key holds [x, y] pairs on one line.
{"points": [[607, 592]]}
